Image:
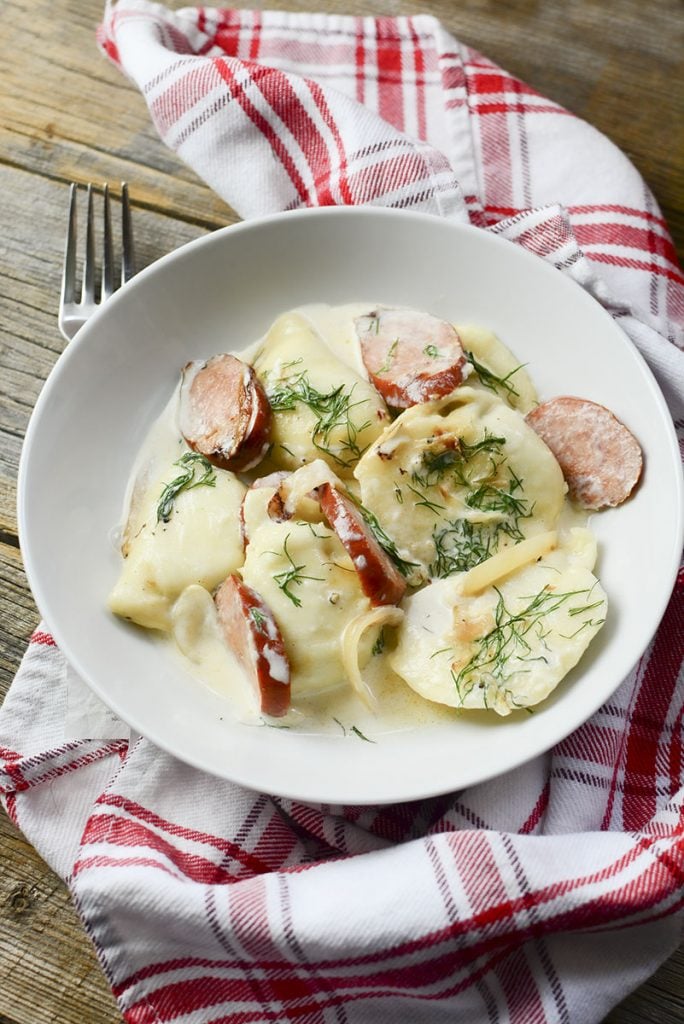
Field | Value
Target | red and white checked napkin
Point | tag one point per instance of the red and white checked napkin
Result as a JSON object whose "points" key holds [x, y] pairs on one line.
{"points": [[543, 896]]}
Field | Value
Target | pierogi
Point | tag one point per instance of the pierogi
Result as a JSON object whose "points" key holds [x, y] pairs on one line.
{"points": [[379, 555]]}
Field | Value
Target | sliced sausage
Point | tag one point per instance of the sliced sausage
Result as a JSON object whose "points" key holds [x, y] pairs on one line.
{"points": [[600, 458], [380, 579], [224, 412], [252, 632], [411, 357]]}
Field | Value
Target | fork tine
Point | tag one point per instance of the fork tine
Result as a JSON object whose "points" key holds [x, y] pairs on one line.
{"points": [[127, 257], [88, 289], [75, 307], [68, 289], [107, 250]]}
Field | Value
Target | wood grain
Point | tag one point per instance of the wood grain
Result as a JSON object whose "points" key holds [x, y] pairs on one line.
{"points": [[618, 65]]}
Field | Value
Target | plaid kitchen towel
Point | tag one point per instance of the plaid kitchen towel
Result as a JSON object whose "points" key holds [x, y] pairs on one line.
{"points": [[543, 896]]}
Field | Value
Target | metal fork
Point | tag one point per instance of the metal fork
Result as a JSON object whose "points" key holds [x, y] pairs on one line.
{"points": [[73, 310]]}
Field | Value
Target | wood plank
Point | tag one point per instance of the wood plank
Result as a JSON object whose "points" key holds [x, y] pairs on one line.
{"points": [[48, 968], [659, 1001], [30, 341], [47, 127], [18, 614]]}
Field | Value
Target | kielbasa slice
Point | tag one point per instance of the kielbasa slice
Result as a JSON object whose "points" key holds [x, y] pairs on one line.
{"points": [[411, 357], [224, 412], [600, 458], [380, 579], [252, 632]]}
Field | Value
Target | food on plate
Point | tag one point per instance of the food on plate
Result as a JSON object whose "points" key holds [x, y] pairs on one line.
{"points": [[368, 508], [252, 631], [304, 575], [454, 480], [298, 491], [494, 368], [600, 458], [381, 581], [224, 413], [165, 552], [506, 645], [411, 357], [321, 407]]}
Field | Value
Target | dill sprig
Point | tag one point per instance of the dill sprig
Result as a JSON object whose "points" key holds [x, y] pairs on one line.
{"points": [[456, 459], [461, 544], [357, 732], [259, 620], [388, 358], [488, 497], [354, 729], [508, 639], [425, 502], [292, 576], [490, 380], [332, 410], [585, 624], [191, 463]]}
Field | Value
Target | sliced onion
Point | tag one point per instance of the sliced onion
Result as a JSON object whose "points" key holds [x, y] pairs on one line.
{"points": [[384, 615]]}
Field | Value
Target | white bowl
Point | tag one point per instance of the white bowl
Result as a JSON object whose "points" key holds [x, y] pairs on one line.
{"points": [[222, 292]]}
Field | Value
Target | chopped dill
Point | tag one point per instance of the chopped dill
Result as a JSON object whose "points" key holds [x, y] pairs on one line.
{"points": [[508, 639], [431, 506], [332, 410], [456, 459], [490, 380], [434, 465], [388, 358], [585, 608], [292, 576], [432, 351], [461, 544], [258, 618], [191, 462], [319, 536], [357, 732], [587, 622], [352, 728], [487, 497], [379, 645]]}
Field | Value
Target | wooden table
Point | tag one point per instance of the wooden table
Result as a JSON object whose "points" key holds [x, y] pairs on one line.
{"points": [[67, 115]]}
